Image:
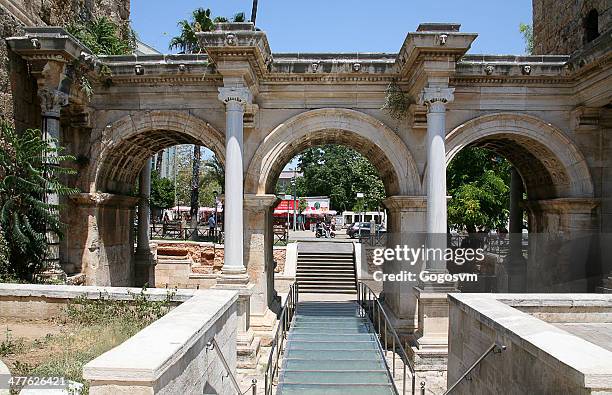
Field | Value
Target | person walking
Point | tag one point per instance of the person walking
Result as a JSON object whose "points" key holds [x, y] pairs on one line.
{"points": [[211, 226]]}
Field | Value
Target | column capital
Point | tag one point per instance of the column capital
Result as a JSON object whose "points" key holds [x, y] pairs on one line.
{"points": [[240, 95], [435, 98], [52, 101]]}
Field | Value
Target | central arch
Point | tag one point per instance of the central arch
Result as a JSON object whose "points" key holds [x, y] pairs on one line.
{"points": [[357, 130]]}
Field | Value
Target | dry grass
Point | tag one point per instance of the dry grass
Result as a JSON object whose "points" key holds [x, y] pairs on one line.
{"points": [[88, 329]]}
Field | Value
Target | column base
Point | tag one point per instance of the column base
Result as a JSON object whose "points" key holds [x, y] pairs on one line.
{"points": [[233, 277], [144, 269]]}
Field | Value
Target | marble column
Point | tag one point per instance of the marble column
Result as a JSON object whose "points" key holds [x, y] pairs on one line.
{"points": [[515, 263], [436, 99], [144, 263], [144, 209], [235, 99], [52, 101], [233, 274]]}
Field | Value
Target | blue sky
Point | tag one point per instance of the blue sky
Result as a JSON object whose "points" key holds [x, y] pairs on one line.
{"points": [[347, 26]]}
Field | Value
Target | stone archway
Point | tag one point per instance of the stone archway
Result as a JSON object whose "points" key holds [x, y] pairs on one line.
{"points": [[560, 194], [360, 131], [129, 141], [549, 162], [99, 236]]}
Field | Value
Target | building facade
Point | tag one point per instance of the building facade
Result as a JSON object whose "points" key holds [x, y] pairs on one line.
{"points": [[549, 116]]}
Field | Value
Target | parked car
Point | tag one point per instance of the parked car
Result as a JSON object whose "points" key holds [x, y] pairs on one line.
{"points": [[353, 230]]}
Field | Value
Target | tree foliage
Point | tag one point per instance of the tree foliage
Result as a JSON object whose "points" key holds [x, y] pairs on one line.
{"points": [[25, 179], [201, 21], [527, 32], [162, 192], [478, 181], [209, 173], [339, 172], [104, 37]]}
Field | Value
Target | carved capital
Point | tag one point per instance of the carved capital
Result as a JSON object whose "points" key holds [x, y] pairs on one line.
{"points": [[235, 95], [436, 98], [52, 101]]}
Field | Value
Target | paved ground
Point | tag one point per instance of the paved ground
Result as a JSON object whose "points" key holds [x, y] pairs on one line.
{"points": [[308, 235], [599, 333]]}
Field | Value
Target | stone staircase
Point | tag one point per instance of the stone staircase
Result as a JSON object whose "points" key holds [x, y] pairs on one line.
{"points": [[326, 267], [332, 350]]}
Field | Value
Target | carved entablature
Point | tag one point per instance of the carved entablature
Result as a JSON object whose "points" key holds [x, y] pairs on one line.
{"points": [[237, 42], [432, 42]]}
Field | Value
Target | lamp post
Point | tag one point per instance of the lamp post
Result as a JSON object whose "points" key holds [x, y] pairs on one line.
{"points": [[294, 181], [215, 194], [360, 196], [287, 198]]}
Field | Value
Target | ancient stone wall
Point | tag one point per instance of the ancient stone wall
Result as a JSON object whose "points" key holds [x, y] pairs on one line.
{"points": [[18, 101], [559, 25]]}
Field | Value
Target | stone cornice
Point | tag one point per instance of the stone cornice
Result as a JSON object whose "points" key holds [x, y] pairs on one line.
{"points": [[47, 43]]}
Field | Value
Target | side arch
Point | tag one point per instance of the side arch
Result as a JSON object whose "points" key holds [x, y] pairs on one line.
{"points": [[128, 142], [357, 130], [549, 162]]}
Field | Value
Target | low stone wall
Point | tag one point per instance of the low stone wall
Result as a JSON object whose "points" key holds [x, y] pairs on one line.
{"points": [[167, 357], [539, 357], [171, 356], [27, 301]]}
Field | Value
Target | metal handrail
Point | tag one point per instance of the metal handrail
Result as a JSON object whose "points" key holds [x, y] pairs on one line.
{"points": [[372, 307], [212, 344], [276, 349], [494, 348]]}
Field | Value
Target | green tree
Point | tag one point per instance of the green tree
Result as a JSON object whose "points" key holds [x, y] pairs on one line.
{"points": [[527, 32], [25, 179], [478, 181], [339, 172], [104, 37], [162, 192], [187, 40], [215, 169]]}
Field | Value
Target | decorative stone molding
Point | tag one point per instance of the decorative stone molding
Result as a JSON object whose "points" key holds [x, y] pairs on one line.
{"points": [[489, 69], [238, 95], [435, 98], [564, 205], [104, 199], [52, 101], [259, 203], [406, 203]]}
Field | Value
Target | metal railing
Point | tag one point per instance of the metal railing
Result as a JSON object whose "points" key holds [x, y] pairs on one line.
{"points": [[212, 344], [277, 348], [372, 308], [494, 348]]}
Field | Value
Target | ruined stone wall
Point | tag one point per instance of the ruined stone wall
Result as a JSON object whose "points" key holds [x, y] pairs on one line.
{"points": [[18, 101], [558, 25]]}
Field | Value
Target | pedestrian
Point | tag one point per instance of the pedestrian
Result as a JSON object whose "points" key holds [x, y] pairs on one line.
{"points": [[211, 226]]}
